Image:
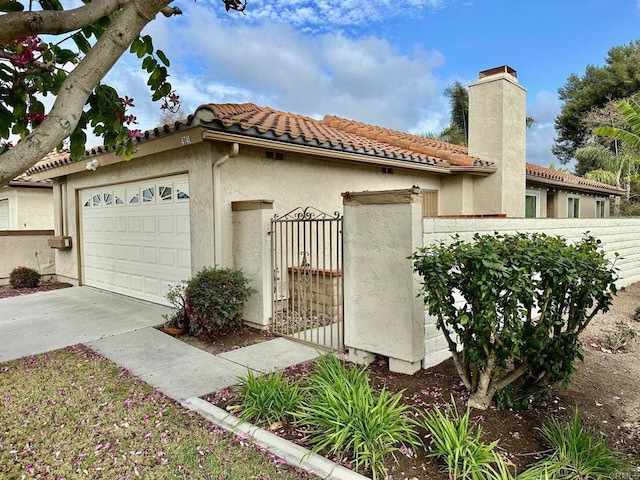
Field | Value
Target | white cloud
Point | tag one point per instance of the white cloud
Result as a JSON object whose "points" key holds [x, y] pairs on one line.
{"points": [[321, 15], [543, 108], [275, 65]]}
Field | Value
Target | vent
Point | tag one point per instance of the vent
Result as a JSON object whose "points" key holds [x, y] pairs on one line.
{"points": [[387, 170], [275, 155]]}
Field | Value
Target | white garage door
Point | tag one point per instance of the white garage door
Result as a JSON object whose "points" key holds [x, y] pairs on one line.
{"points": [[135, 237]]}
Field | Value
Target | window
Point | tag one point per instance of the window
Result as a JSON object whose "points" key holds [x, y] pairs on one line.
{"points": [[4, 214], [166, 193], [532, 204], [600, 207], [148, 194], [573, 207], [429, 203]]}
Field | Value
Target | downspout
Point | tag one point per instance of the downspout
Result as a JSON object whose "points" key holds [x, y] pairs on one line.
{"points": [[217, 203]]}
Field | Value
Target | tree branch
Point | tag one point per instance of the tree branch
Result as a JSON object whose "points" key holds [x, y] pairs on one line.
{"points": [[67, 109], [24, 24]]}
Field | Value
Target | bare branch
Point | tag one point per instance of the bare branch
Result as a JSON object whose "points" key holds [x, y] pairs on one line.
{"points": [[24, 24]]}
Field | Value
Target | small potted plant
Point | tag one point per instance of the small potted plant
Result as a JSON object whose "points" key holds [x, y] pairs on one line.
{"points": [[177, 322]]}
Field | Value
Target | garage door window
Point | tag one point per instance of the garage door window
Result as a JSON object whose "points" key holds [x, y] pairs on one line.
{"points": [[148, 195]]}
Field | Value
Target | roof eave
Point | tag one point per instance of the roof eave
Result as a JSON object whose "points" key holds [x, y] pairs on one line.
{"points": [[176, 139], [322, 152], [574, 187]]}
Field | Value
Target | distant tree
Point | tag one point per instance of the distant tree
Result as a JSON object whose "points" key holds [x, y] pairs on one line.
{"points": [[558, 169], [458, 130], [618, 78], [625, 160]]}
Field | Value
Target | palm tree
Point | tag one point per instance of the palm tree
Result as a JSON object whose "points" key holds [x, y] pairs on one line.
{"points": [[610, 166], [458, 130], [625, 157]]}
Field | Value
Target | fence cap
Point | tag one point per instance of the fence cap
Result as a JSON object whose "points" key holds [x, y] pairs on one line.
{"points": [[382, 197]]}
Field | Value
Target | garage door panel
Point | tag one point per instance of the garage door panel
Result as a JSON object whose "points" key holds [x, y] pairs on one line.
{"points": [[149, 225], [167, 257], [150, 256], [121, 224], [134, 224], [136, 237], [184, 258], [183, 225]]}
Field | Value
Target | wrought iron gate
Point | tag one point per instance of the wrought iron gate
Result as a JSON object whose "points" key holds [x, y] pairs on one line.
{"points": [[307, 285]]}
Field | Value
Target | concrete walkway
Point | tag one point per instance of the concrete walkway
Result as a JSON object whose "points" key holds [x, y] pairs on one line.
{"points": [[122, 329]]}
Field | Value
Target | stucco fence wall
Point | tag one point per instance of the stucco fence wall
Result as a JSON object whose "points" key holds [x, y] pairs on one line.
{"points": [[26, 248], [384, 313]]}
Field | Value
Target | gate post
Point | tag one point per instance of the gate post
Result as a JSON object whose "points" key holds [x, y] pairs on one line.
{"points": [[252, 254], [383, 314]]}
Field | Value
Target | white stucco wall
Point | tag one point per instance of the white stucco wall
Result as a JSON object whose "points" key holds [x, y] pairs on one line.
{"points": [[383, 314], [497, 133], [300, 182], [30, 208], [28, 249]]}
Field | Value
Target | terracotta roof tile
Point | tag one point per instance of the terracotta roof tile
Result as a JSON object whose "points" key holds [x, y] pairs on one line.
{"points": [[542, 173], [331, 132], [335, 132]]}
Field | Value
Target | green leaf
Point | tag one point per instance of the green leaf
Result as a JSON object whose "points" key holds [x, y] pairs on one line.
{"points": [[9, 6], [78, 139], [163, 58], [81, 42], [148, 44]]}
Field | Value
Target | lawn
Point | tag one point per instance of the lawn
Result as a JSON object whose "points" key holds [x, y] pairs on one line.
{"points": [[73, 414]]}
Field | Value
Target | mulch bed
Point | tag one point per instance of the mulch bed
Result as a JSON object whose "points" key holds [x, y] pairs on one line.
{"points": [[7, 291]]}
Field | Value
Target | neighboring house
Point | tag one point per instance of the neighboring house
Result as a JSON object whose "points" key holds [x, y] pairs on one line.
{"points": [[26, 204], [137, 226], [26, 221], [555, 194]]}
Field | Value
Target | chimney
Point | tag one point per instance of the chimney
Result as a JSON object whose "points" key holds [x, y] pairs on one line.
{"points": [[497, 132]]}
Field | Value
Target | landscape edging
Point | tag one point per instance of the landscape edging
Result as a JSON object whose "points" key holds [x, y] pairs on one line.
{"points": [[293, 454]]}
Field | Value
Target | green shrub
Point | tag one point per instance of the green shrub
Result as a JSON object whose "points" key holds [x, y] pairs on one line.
{"points": [[24, 277], [268, 398], [215, 300], [463, 451], [636, 314], [577, 454], [527, 297], [176, 295], [344, 416]]}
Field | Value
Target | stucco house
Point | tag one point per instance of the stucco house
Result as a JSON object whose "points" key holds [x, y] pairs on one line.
{"points": [[135, 227], [26, 204]]}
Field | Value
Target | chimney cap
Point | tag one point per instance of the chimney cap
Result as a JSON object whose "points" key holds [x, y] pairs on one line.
{"points": [[497, 70]]}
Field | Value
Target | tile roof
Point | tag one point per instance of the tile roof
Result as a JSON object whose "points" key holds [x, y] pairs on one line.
{"points": [[547, 175], [334, 133], [63, 157]]}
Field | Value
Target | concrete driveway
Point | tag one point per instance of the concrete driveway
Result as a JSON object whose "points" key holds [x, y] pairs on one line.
{"points": [[45, 321]]}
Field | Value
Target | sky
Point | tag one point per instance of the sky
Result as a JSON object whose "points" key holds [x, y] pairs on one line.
{"points": [[378, 61]]}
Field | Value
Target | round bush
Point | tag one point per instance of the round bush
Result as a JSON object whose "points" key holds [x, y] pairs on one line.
{"points": [[24, 277], [215, 300]]}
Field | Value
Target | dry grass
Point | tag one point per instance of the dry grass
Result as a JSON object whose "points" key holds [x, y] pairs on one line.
{"points": [[72, 414]]}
